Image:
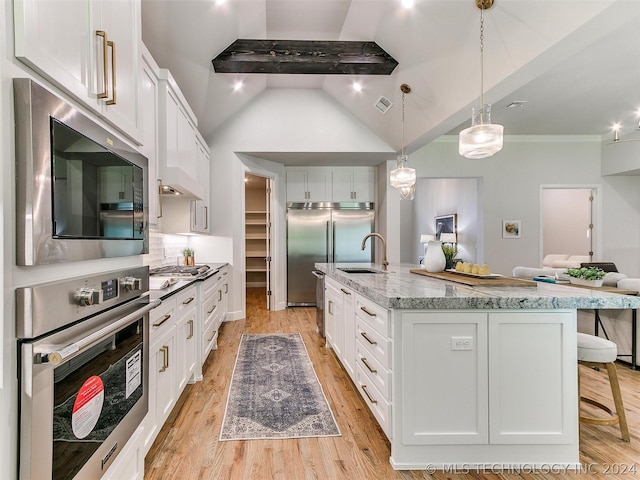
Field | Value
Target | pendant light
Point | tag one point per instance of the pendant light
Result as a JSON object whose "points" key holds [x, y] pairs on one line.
{"points": [[483, 138], [403, 177]]}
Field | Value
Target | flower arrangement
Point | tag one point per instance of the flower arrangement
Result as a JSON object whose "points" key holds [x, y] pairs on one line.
{"points": [[586, 273], [187, 253]]}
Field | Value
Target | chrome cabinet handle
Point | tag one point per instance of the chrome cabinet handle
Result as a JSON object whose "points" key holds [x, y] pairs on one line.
{"points": [[190, 336], [364, 309], [366, 392], [165, 358], [345, 291], [372, 342], [164, 319], [364, 360], [188, 301]]}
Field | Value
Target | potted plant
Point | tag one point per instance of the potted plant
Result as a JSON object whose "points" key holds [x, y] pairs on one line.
{"points": [[450, 252], [588, 276], [187, 253]]}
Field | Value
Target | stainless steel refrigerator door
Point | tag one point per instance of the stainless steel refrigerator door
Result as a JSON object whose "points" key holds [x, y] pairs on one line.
{"points": [[307, 243], [349, 227]]}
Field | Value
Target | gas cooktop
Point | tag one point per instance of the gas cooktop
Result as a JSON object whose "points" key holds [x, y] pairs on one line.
{"points": [[180, 270]]}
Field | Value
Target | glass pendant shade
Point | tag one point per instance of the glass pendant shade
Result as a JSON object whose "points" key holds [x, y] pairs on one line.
{"points": [[402, 176], [482, 139]]}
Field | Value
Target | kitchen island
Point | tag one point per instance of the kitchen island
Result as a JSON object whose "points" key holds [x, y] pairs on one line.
{"points": [[482, 377]]}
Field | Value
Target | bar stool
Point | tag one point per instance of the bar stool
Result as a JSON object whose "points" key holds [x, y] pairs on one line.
{"points": [[599, 352]]}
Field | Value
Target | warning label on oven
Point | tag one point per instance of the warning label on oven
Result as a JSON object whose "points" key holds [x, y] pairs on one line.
{"points": [[87, 407], [134, 365]]}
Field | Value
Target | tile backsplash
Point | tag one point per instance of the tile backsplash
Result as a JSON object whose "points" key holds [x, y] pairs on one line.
{"points": [[164, 249]]}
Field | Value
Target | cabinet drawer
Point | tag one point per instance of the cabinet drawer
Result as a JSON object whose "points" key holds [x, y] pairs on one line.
{"points": [[380, 408], [210, 310], [377, 374], [186, 299], [209, 340], [373, 344], [162, 319], [373, 314]]}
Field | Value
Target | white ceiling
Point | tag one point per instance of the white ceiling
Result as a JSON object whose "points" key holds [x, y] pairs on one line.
{"points": [[575, 62]]}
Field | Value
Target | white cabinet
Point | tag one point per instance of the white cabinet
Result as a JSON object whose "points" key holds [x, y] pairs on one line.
{"points": [[493, 387], [308, 185], [89, 48], [177, 158], [172, 357], [149, 113], [340, 321], [200, 208], [353, 185], [129, 464], [334, 329], [213, 300], [331, 184]]}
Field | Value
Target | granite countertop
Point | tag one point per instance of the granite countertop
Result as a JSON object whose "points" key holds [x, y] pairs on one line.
{"points": [[181, 282], [399, 288]]}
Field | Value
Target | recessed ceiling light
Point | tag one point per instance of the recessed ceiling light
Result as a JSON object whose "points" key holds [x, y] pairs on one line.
{"points": [[220, 2], [357, 86], [517, 104], [407, 3]]}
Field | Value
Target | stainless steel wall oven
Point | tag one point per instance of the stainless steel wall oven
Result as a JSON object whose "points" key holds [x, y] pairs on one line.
{"points": [[81, 192], [83, 365]]}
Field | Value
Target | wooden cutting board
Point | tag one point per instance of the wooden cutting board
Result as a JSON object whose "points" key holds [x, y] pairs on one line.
{"points": [[476, 281]]}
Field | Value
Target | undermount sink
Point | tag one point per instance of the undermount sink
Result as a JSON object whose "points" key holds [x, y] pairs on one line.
{"points": [[359, 270]]}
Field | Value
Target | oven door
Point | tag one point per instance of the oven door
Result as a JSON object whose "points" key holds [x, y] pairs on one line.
{"points": [[84, 391]]}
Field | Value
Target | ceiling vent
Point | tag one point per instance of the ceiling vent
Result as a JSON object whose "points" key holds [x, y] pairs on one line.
{"points": [[383, 104]]}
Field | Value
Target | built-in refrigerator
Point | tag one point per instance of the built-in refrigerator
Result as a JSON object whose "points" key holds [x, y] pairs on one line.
{"points": [[324, 232]]}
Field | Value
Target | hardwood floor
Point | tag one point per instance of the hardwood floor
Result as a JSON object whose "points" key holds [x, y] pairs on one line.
{"points": [[188, 447]]}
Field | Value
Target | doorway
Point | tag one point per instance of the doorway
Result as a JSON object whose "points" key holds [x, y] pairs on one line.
{"points": [[569, 220], [257, 204]]}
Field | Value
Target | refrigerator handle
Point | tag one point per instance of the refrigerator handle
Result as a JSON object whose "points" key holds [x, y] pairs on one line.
{"points": [[326, 247], [333, 242]]}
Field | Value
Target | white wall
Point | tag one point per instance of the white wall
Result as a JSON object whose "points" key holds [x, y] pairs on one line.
{"points": [[511, 182], [282, 120]]}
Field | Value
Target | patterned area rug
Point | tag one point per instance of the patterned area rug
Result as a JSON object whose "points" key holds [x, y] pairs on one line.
{"points": [[275, 392]]}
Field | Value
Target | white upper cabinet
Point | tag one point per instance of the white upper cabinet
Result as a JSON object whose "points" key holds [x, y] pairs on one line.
{"points": [[177, 154], [331, 184], [77, 44], [308, 185], [353, 185], [149, 112]]}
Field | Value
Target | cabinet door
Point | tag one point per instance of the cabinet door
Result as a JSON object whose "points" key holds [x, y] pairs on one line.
{"points": [[149, 148], [349, 321], [363, 185], [53, 37], [121, 23], [443, 371], [164, 362], [186, 143], [331, 298], [186, 339], [171, 138], [342, 186], [533, 380], [318, 186], [296, 186]]}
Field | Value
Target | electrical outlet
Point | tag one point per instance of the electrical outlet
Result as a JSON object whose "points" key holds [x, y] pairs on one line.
{"points": [[461, 343]]}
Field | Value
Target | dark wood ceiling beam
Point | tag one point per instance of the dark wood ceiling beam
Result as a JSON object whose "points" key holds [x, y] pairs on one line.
{"points": [[304, 57]]}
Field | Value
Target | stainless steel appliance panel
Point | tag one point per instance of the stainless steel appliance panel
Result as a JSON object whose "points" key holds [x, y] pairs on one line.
{"points": [[308, 238], [349, 228], [323, 232], [36, 110]]}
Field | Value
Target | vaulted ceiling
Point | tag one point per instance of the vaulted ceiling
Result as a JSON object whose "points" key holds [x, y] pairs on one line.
{"points": [[576, 63]]}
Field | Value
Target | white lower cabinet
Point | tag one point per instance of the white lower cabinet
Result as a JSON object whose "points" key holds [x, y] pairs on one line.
{"points": [[214, 295], [129, 464]]}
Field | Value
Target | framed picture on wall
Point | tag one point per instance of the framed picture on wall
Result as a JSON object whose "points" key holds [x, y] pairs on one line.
{"points": [[511, 228], [446, 223]]}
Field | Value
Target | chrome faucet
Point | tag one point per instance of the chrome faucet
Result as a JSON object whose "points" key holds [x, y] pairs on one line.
{"points": [[384, 248]]}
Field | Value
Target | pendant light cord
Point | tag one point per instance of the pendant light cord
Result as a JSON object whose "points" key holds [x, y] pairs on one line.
{"points": [[402, 147], [482, 63]]}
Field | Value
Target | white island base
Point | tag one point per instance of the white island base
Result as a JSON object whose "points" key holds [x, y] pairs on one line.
{"points": [[484, 389]]}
